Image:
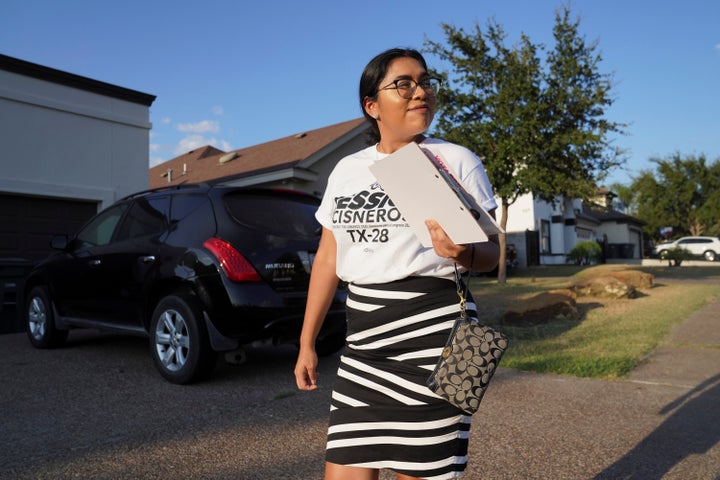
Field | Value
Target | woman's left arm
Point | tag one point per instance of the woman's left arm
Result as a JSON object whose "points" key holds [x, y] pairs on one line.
{"points": [[484, 258]]}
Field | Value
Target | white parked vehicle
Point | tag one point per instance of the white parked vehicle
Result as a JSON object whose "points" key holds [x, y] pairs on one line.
{"points": [[703, 247]]}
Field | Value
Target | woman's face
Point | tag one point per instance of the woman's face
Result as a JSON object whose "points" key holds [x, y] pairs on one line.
{"points": [[402, 119]]}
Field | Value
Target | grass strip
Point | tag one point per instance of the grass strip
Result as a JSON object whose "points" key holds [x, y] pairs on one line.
{"points": [[609, 338]]}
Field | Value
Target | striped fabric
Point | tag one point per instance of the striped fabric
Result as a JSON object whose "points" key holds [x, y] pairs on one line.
{"points": [[382, 415]]}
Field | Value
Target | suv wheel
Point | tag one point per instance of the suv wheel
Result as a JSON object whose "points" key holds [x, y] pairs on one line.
{"points": [[663, 254], [709, 256], [179, 342], [40, 322]]}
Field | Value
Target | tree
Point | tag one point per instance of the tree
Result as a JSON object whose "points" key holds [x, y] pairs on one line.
{"points": [[683, 193], [578, 142], [495, 111], [539, 130]]}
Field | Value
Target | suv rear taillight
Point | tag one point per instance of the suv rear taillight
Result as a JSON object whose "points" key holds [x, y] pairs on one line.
{"points": [[235, 266]]}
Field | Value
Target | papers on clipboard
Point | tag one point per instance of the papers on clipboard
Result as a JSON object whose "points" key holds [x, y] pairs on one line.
{"points": [[422, 188]]}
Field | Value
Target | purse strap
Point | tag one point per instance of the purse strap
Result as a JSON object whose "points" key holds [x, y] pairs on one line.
{"points": [[459, 283]]}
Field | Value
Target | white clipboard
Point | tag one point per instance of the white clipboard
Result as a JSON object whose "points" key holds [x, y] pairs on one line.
{"points": [[423, 190]]}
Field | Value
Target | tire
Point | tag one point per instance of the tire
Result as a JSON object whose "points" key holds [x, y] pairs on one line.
{"points": [[662, 254], [709, 256], [179, 342], [40, 320]]}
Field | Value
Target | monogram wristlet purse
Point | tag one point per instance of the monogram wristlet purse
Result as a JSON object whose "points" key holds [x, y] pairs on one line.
{"points": [[469, 359]]}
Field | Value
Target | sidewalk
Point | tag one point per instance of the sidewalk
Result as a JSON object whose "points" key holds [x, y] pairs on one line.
{"points": [[690, 356], [687, 444]]}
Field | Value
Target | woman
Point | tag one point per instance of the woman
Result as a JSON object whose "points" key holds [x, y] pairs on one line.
{"points": [[402, 297]]}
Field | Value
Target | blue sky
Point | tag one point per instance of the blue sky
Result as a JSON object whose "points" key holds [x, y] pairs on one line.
{"points": [[234, 74]]}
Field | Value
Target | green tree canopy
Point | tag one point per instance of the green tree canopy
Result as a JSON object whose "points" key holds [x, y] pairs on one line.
{"points": [[539, 127], [683, 193]]}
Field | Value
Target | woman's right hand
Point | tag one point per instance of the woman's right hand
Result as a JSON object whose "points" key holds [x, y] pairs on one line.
{"points": [[306, 369]]}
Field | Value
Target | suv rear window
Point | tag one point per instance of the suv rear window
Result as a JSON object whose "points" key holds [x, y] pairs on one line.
{"points": [[274, 214]]}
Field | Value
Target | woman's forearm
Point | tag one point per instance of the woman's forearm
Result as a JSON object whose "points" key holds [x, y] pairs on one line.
{"points": [[323, 284], [479, 257]]}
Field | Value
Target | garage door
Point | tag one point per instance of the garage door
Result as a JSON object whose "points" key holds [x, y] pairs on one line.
{"points": [[26, 226], [27, 223]]}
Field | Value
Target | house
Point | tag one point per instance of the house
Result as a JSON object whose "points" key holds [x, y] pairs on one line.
{"points": [[542, 234], [71, 146], [301, 162]]}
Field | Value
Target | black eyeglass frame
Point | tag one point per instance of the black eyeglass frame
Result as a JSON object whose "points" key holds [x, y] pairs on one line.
{"points": [[431, 85]]}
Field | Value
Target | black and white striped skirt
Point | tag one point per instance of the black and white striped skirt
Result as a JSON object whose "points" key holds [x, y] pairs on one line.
{"points": [[382, 415]]}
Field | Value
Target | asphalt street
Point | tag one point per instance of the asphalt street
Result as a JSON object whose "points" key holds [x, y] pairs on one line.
{"points": [[97, 409]]}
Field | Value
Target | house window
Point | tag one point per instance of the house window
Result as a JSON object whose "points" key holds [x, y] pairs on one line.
{"points": [[544, 236]]}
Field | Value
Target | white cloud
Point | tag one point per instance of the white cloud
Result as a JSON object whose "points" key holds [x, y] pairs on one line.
{"points": [[165, 120], [191, 142], [204, 126], [218, 110]]}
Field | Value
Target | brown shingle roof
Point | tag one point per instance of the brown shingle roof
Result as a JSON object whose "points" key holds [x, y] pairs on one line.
{"points": [[208, 164]]}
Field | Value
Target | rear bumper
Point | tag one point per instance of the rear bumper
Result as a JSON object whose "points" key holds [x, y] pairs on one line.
{"points": [[243, 313], [282, 330]]}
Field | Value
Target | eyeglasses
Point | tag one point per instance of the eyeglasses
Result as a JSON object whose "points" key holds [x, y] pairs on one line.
{"points": [[406, 87]]}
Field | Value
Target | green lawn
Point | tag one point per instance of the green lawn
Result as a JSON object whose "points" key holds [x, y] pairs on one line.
{"points": [[610, 337]]}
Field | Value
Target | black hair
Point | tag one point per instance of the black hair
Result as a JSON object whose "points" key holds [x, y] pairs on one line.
{"points": [[373, 74]]}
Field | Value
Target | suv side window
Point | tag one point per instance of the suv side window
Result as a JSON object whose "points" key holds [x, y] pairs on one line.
{"points": [[147, 216], [100, 230], [192, 219]]}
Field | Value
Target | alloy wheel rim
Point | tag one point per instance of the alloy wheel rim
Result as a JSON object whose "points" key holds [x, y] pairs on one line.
{"points": [[172, 341], [37, 318]]}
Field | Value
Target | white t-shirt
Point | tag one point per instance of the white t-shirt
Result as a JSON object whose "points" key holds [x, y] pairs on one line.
{"points": [[374, 243]]}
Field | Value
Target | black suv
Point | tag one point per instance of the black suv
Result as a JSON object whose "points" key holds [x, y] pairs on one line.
{"points": [[197, 269]]}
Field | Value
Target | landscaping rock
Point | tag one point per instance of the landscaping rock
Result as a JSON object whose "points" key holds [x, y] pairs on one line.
{"points": [[613, 283], [542, 309], [634, 278], [604, 286]]}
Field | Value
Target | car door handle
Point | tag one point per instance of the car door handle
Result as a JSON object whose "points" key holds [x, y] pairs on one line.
{"points": [[95, 263], [147, 259]]}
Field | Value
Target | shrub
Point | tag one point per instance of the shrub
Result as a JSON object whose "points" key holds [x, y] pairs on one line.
{"points": [[676, 255], [585, 253]]}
